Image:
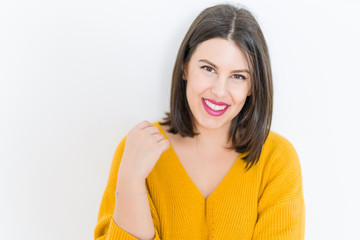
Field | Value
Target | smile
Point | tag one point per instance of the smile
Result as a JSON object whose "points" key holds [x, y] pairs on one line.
{"points": [[214, 108]]}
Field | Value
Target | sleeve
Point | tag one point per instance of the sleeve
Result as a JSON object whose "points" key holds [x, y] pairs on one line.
{"points": [[281, 208], [105, 227]]}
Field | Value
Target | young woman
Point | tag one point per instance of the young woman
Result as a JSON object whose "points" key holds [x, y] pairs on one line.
{"points": [[212, 169]]}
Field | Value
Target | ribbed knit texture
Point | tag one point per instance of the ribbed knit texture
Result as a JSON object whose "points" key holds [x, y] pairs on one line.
{"points": [[265, 202]]}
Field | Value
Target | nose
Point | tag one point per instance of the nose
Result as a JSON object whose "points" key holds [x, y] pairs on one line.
{"points": [[219, 87]]}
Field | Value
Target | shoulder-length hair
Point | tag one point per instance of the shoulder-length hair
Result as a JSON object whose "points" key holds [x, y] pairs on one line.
{"points": [[250, 128]]}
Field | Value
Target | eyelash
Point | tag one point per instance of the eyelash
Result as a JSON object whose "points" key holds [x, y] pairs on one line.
{"points": [[239, 75]]}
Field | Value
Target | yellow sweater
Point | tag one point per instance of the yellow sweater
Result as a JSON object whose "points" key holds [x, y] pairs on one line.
{"points": [[265, 202]]}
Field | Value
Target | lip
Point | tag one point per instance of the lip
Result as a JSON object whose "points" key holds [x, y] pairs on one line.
{"points": [[216, 102], [213, 112]]}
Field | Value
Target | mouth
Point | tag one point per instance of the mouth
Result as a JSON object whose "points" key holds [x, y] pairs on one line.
{"points": [[213, 107]]}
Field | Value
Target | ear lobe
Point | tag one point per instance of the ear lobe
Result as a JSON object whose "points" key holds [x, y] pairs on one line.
{"points": [[184, 77]]}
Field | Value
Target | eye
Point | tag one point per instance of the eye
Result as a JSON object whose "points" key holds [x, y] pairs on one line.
{"points": [[239, 76], [207, 68]]}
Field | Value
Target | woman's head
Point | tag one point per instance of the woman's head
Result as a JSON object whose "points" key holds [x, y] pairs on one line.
{"points": [[217, 84], [250, 127]]}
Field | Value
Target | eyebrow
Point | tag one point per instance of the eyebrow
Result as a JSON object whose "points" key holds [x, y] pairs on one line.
{"points": [[213, 65]]}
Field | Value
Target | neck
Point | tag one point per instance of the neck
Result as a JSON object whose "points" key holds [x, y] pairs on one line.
{"points": [[212, 138]]}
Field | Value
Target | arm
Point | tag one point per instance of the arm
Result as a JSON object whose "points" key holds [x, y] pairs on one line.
{"points": [[132, 211], [132, 214], [281, 209]]}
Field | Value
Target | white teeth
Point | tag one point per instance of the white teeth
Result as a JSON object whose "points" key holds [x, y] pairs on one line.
{"points": [[215, 107]]}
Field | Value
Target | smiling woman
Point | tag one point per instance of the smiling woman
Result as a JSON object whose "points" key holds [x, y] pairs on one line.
{"points": [[212, 168], [218, 90]]}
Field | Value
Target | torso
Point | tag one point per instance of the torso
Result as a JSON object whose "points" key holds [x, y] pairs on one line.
{"points": [[205, 167]]}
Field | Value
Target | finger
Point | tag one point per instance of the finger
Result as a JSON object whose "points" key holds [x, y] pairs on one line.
{"points": [[164, 145], [151, 130], [143, 125], [157, 137]]}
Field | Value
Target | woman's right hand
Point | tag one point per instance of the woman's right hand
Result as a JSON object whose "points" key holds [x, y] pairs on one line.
{"points": [[143, 147]]}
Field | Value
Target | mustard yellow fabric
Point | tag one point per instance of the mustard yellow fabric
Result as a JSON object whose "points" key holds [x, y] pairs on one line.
{"points": [[265, 202]]}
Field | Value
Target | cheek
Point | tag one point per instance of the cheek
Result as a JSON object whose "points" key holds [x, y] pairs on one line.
{"points": [[196, 84], [239, 97], [191, 91]]}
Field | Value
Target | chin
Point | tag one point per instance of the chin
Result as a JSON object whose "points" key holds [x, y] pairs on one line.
{"points": [[212, 123]]}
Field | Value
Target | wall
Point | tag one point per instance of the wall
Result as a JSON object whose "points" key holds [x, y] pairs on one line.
{"points": [[76, 76]]}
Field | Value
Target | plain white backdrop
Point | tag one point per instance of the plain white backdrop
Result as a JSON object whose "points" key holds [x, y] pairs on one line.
{"points": [[76, 76]]}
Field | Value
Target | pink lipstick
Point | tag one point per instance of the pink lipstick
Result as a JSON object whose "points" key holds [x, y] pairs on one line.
{"points": [[214, 104]]}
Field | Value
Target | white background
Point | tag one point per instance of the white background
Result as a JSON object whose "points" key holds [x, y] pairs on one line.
{"points": [[75, 76]]}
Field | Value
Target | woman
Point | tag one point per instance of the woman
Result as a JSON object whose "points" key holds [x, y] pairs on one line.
{"points": [[212, 169]]}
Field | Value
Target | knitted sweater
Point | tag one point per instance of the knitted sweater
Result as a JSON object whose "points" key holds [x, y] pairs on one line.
{"points": [[265, 202]]}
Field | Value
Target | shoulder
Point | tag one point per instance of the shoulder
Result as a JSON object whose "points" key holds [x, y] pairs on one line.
{"points": [[162, 128], [277, 141], [276, 144], [157, 124], [280, 169], [279, 154]]}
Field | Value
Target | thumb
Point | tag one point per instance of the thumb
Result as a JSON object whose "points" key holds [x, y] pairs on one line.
{"points": [[164, 145]]}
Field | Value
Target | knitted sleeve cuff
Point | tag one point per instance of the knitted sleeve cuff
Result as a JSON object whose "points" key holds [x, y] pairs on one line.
{"points": [[115, 232]]}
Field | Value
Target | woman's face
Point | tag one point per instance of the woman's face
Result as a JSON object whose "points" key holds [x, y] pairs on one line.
{"points": [[218, 82]]}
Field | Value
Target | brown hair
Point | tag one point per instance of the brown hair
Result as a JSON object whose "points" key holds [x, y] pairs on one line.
{"points": [[250, 128]]}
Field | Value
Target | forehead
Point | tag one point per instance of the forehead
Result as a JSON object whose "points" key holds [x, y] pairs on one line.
{"points": [[223, 52]]}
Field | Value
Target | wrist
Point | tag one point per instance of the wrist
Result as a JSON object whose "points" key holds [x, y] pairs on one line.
{"points": [[126, 174], [128, 184], [117, 195], [131, 173]]}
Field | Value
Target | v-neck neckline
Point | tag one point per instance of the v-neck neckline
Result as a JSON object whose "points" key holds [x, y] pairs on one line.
{"points": [[224, 182]]}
